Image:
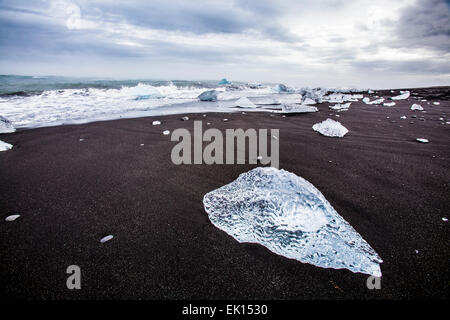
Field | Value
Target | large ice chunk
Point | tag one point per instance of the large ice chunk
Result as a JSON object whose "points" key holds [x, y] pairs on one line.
{"points": [[289, 216], [6, 126], [5, 146], [404, 95], [210, 95], [330, 128]]}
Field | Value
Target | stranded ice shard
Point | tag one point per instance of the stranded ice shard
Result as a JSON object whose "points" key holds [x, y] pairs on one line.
{"points": [[330, 128], [289, 216]]}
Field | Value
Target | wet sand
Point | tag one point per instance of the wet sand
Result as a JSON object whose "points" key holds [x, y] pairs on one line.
{"points": [[393, 190]]}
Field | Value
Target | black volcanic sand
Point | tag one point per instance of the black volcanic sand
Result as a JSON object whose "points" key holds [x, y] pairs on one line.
{"points": [[393, 190]]}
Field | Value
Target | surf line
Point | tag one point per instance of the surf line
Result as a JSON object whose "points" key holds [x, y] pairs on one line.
{"points": [[215, 153]]}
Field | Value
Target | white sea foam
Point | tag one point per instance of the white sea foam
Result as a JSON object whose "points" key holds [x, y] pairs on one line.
{"points": [[289, 216]]}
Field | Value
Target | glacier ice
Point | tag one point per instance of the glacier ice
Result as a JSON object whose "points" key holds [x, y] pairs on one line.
{"points": [[289, 216], [6, 126], [297, 108], [404, 95], [224, 81], [416, 106], [210, 95], [330, 128], [340, 107], [244, 102], [5, 146], [378, 101], [12, 217]]}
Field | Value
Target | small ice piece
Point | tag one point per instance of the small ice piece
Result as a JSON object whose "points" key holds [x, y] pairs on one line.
{"points": [[81, 140], [6, 126], [210, 95], [141, 144], [370, 92], [378, 101], [330, 128], [366, 100], [297, 108], [444, 219], [156, 123], [107, 238], [416, 107], [291, 217], [403, 117], [12, 217], [436, 103], [225, 120], [5, 146], [185, 118], [340, 107], [259, 158], [244, 102], [166, 132], [416, 251], [422, 140], [389, 104], [404, 95]]}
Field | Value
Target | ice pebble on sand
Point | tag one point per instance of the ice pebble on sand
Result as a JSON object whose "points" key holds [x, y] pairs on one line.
{"points": [[156, 123], [166, 132], [12, 217], [107, 238], [436, 103], [416, 106], [444, 219], [389, 104], [403, 117], [422, 140]]}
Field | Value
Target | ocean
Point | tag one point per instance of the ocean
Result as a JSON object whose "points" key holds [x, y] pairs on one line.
{"points": [[35, 101]]}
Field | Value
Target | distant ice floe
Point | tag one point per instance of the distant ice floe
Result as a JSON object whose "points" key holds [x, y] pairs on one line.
{"points": [[5, 146], [289, 216], [297, 108], [330, 128], [389, 104], [340, 107], [417, 107], [422, 140], [210, 95], [244, 102], [402, 96], [6, 126]]}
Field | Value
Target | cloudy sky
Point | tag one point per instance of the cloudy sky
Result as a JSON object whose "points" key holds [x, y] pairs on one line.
{"points": [[382, 43]]}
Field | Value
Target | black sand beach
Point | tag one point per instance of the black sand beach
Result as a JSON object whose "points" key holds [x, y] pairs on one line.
{"points": [[393, 190]]}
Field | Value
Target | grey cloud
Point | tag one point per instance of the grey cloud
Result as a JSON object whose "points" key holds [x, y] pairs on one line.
{"points": [[425, 24]]}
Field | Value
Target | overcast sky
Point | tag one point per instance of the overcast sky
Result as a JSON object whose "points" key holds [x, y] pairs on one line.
{"points": [[383, 43]]}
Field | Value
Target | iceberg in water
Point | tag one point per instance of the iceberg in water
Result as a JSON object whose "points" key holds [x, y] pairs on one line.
{"points": [[289, 216], [330, 128], [210, 95], [5, 146], [6, 126], [404, 95], [244, 102], [224, 81]]}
